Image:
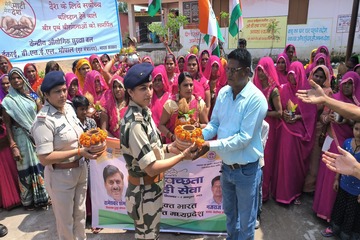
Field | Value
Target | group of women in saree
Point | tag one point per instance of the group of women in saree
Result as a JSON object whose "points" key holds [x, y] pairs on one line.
{"points": [[297, 129], [299, 132]]}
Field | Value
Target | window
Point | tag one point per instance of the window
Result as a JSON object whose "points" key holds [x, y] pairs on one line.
{"points": [[221, 6], [298, 11]]}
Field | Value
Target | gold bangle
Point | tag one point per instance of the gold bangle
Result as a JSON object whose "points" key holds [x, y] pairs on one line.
{"points": [[13, 146], [78, 153]]}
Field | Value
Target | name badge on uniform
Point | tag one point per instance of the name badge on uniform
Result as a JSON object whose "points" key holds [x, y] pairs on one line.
{"points": [[58, 129]]}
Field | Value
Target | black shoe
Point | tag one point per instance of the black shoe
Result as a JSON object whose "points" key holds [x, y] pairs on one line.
{"points": [[3, 230]]}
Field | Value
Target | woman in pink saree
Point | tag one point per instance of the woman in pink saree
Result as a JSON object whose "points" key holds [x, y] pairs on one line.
{"points": [[171, 70], [203, 59], [320, 59], [95, 85], [266, 80], [282, 68], [324, 50], [96, 63], [171, 107], [339, 131], [290, 51], [297, 130], [201, 86], [161, 92], [215, 73], [321, 75], [72, 85], [114, 104]]}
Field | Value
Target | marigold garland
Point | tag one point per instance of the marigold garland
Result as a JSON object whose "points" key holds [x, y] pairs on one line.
{"points": [[99, 136], [195, 136]]}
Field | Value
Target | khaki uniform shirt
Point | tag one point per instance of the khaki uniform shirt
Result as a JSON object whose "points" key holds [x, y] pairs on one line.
{"points": [[140, 141], [56, 131]]}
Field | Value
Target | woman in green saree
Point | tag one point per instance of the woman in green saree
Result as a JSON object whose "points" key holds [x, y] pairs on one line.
{"points": [[20, 108]]}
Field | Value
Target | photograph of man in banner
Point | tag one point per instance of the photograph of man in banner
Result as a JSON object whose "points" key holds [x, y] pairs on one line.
{"points": [[114, 182], [216, 200]]}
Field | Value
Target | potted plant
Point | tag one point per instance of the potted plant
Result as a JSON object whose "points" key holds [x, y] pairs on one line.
{"points": [[170, 31], [158, 29], [224, 19], [274, 30]]}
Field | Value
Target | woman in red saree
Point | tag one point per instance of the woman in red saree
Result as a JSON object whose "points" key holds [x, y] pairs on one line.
{"points": [[32, 74]]}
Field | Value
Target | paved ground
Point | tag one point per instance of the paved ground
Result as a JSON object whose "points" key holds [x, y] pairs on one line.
{"points": [[279, 222]]}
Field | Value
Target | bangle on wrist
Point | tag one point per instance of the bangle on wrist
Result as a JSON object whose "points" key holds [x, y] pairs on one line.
{"points": [[78, 152], [182, 154], [13, 146], [167, 149]]}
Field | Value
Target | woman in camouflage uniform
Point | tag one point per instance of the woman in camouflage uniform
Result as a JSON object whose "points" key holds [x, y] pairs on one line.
{"points": [[144, 154]]}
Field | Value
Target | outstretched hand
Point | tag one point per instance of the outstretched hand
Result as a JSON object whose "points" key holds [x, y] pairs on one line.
{"points": [[343, 163], [204, 149], [315, 95]]}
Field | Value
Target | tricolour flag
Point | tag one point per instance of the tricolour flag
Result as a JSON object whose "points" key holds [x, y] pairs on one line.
{"points": [[214, 44], [207, 20], [236, 19], [154, 7]]}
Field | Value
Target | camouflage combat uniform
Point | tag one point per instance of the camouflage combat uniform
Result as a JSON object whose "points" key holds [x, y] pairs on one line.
{"points": [[141, 145]]}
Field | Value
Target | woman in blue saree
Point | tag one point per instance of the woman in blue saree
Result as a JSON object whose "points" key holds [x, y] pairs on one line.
{"points": [[20, 108]]}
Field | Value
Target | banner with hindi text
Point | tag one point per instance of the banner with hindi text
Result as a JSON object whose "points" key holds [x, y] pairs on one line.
{"points": [[190, 199], [256, 34], [44, 30]]}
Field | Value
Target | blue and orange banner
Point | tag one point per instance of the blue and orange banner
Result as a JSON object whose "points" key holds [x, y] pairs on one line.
{"points": [[188, 199], [41, 30]]}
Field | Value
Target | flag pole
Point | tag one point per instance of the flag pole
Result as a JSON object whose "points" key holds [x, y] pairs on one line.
{"points": [[238, 35], [199, 43]]}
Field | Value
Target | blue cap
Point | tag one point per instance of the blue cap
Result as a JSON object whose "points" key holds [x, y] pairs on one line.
{"points": [[138, 74], [52, 79]]}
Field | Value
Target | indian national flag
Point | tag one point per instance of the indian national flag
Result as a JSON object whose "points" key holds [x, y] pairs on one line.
{"points": [[236, 19], [207, 20], [214, 44], [154, 7]]}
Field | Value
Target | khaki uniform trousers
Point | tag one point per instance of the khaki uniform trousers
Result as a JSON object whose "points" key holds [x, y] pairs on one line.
{"points": [[67, 189]]}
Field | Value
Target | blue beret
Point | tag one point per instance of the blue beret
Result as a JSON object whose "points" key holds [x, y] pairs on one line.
{"points": [[52, 79], [138, 74]]}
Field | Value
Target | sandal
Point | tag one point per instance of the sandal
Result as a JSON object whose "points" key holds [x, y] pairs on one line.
{"points": [[297, 201], [328, 232], [96, 230]]}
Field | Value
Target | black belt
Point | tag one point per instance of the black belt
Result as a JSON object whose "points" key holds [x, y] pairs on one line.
{"points": [[234, 166], [237, 166]]}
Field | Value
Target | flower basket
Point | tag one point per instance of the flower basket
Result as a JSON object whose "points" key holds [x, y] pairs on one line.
{"points": [[186, 135], [94, 140]]}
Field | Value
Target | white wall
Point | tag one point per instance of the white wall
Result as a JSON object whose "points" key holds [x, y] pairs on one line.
{"points": [[322, 23]]}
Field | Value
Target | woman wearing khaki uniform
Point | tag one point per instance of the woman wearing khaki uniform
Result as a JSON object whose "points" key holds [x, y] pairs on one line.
{"points": [[56, 131]]}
